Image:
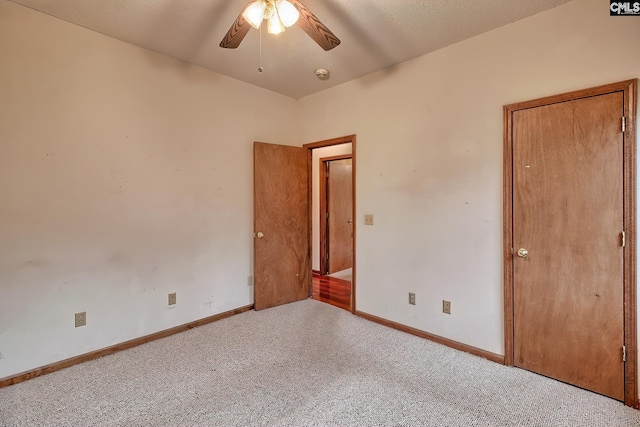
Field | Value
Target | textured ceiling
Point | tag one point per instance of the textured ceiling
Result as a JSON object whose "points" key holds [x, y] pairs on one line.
{"points": [[375, 34]]}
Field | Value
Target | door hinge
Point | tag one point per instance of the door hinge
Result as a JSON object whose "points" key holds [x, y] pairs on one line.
{"points": [[327, 215], [624, 353], [624, 239], [624, 124]]}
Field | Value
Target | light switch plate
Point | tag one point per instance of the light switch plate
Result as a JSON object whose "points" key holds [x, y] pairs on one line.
{"points": [[368, 219]]}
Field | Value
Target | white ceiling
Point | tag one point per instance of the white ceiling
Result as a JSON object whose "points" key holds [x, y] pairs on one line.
{"points": [[375, 34]]}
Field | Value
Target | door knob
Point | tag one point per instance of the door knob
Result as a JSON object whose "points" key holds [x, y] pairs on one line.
{"points": [[350, 221], [259, 234], [523, 253]]}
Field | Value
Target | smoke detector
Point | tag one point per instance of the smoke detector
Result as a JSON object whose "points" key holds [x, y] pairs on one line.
{"points": [[322, 74]]}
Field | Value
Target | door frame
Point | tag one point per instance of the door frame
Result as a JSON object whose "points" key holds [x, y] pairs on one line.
{"points": [[324, 226], [348, 139], [629, 89]]}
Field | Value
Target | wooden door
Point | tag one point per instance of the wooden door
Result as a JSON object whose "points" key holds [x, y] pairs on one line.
{"points": [[340, 222], [568, 214], [282, 259]]}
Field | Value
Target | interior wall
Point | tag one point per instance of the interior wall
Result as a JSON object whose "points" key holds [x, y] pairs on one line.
{"points": [[124, 175], [319, 153], [430, 159]]}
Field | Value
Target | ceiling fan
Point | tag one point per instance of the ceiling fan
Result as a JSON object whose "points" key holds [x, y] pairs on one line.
{"points": [[279, 14]]}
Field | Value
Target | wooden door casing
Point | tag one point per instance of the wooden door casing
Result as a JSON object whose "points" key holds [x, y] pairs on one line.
{"points": [[568, 214], [282, 259], [339, 209]]}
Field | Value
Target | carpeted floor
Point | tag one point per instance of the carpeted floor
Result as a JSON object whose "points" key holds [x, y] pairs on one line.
{"points": [[306, 363]]}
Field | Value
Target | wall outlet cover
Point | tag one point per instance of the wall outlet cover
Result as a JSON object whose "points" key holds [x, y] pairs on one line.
{"points": [[446, 307], [81, 319]]}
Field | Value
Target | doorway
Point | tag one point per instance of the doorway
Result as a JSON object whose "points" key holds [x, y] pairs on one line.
{"points": [[570, 239], [333, 213], [283, 243]]}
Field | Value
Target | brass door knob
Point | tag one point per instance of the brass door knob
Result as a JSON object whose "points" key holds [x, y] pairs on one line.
{"points": [[523, 253], [259, 234]]}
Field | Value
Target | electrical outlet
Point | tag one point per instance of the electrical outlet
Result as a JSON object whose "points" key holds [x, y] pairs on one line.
{"points": [[368, 219], [446, 307], [412, 298], [250, 281], [81, 319], [172, 298]]}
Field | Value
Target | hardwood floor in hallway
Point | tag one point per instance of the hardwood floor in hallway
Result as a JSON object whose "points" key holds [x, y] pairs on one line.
{"points": [[332, 291]]}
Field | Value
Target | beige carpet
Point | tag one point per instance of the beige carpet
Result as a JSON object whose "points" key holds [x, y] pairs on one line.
{"points": [[306, 363]]}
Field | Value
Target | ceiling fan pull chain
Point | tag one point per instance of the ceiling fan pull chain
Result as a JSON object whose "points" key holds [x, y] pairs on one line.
{"points": [[260, 69]]}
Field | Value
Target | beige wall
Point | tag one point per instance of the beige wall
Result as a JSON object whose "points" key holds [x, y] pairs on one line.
{"points": [[429, 159], [124, 175]]}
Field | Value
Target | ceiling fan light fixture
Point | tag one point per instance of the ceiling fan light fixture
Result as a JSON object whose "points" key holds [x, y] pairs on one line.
{"points": [[275, 25], [288, 13], [254, 14], [279, 14]]}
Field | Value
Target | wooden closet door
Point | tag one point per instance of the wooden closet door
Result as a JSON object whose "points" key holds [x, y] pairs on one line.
{"points": [[567, 238]]}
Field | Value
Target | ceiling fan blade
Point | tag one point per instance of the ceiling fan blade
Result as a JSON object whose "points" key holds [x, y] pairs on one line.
{"points": [[314, 28], [236, 33]]}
